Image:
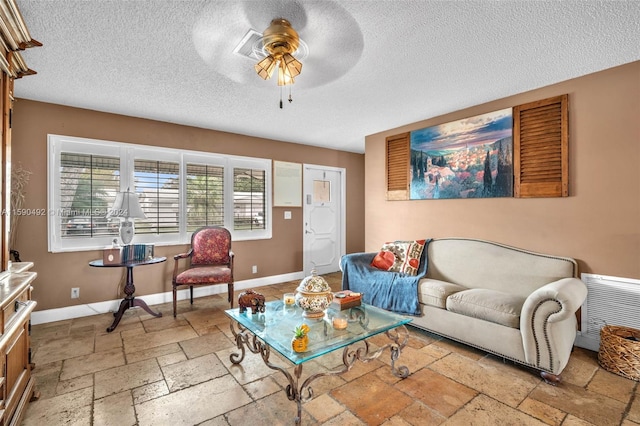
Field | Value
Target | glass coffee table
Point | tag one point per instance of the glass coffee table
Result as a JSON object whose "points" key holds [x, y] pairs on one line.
{"points": [[273, 330]]}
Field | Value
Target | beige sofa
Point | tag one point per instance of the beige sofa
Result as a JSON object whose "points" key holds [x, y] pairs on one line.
{"points": [[511, 302]]}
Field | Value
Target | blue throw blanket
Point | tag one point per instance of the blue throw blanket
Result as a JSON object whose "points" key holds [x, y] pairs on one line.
{"points": [[392, 291]]}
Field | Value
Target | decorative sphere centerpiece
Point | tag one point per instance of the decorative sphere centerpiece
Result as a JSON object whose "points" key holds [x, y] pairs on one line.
{"points": [[313, 295]]}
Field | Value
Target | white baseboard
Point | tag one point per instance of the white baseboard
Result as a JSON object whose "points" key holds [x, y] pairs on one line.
{"points": [[77, 311]]}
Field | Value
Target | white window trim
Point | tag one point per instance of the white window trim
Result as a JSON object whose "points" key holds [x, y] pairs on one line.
{"points": [[127, 154]]}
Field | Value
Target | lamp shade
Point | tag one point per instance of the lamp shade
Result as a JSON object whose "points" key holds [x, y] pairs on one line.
{"points": [[265, 67], [291, 64], [126, 205], [284, 76]]}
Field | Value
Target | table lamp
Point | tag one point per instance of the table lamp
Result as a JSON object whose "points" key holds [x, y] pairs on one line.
{"points": [[126, 206]]}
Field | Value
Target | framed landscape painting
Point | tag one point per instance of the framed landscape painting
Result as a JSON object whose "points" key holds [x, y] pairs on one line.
{"points": [[469, 158]]}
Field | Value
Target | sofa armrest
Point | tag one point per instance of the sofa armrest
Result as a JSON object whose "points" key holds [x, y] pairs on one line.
{"points": [[548, 323], [566, 296], [361, 258]]}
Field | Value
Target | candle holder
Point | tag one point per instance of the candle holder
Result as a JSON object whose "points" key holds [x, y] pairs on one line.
{"points": [[339, 322], [289, 299]]}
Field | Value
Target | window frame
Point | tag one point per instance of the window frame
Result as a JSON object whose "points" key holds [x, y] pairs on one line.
{"points": [[128, 153]]}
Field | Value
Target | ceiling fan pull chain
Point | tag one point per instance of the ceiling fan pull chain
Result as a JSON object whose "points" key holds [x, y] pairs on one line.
{"points": [[290, 99], [280, 97]]}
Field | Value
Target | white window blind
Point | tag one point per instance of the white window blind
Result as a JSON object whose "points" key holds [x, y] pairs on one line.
{"points": [[205, 196], [248, 199], [157, 185], [88, 187]]}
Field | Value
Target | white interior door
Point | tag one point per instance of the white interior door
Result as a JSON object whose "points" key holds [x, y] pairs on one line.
{"points": [[324, 216]]}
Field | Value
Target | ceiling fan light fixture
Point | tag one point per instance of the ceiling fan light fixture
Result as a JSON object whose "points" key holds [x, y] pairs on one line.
{"points": [[291, 64], [279, 42], [265, 67], [284, 76]]}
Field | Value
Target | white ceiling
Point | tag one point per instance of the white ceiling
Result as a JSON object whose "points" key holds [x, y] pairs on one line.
{"points": [[372, 65]]}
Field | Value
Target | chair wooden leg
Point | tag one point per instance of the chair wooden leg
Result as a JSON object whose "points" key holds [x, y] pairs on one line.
{"points": [[191, 293], [231, 294], [175, 295]]}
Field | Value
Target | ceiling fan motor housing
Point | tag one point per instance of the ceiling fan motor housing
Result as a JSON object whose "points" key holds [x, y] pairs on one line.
{"points": [[280, 38]]}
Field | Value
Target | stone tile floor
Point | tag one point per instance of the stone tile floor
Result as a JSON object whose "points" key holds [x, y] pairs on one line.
{"points": [[166, 371]]}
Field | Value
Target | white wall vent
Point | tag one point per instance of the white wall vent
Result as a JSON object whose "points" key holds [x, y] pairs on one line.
{"points": [[247, 45], [610, 301]]}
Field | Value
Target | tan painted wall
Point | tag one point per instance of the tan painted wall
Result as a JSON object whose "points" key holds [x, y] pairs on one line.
{"points": [[59, 272], [598, 224]]}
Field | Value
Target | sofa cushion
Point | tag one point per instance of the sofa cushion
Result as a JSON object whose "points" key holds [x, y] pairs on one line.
{"points": [[400, 256], [435, 292], [489, 305]]}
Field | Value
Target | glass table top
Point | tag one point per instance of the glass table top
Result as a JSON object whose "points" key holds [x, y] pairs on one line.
{"points": [[276, 325]]}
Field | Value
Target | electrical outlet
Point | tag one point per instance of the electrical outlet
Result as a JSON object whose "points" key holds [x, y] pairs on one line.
{"points": [[254, 269], [75, 293]]}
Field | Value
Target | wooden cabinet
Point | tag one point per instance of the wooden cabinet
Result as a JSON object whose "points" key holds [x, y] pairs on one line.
{"points": [[16, 382], [14, 38]]}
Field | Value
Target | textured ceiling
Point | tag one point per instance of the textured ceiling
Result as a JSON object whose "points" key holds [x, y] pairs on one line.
{"points": [[372, 65]]}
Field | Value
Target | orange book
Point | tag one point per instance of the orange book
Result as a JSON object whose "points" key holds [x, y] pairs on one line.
{"points": [[345, 299]]}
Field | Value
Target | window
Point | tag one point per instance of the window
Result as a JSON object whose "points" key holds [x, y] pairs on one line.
{"points": [[89, 184], [205, 195], [248, 199], [179, 191], [158, 184]]}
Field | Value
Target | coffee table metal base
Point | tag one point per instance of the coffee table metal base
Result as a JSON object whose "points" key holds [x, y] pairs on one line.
{"points": [[302, 392]]}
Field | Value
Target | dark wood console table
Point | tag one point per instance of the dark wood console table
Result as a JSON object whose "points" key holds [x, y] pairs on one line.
{"points": [[129, 300]]}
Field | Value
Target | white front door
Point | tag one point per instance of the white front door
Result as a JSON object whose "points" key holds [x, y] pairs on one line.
{"points": [[324, 216]]}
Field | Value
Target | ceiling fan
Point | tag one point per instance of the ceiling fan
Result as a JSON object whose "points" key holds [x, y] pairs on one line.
{"points": [[279, 42], [320, 26]]}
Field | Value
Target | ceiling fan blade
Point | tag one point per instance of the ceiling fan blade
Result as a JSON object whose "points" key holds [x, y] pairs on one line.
{"points": [[260, 13], [332, 35]]}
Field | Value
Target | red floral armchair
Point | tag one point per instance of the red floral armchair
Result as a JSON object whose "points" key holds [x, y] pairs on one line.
{"points": [[210, 262]]}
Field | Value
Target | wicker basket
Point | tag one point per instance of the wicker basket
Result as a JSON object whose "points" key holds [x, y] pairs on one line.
{"points": [[618, 354]]}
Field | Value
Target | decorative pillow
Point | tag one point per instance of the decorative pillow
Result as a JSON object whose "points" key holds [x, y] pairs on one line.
{"points": [[399, 256], [384, 260]]}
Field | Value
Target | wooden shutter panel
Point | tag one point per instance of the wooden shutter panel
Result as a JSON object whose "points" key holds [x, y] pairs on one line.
{"points": [[398, 167], [541, 148]]}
